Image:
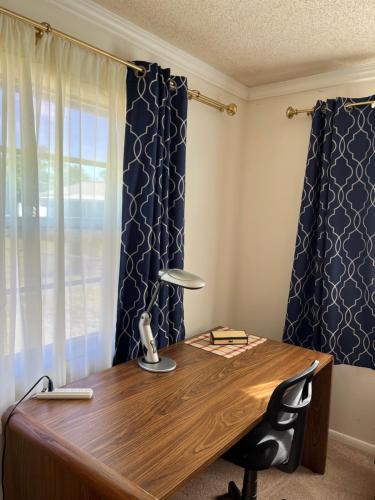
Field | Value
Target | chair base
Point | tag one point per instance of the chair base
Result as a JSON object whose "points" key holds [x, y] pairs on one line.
{"points": [[249, 487], [234, 491]]}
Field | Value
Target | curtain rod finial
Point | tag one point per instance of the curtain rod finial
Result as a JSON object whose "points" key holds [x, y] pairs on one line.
{"points": [[231, 109], [290, 112]]}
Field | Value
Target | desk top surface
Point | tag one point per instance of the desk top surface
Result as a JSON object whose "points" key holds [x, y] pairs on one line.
{"points": [[156, 430]]}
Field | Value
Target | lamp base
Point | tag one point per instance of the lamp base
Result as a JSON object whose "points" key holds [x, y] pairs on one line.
{"points": [[164, 365]]}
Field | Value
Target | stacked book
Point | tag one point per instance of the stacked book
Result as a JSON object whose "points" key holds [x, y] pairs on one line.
{"points": [[226, 336]]}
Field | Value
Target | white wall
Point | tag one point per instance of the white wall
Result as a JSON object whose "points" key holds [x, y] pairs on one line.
{"points": [[270, 200]]}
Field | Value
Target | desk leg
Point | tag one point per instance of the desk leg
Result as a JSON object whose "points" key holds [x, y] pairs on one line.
{"points": [[316, 436]]}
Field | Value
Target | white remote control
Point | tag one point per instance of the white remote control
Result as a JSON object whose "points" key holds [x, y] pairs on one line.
{"points": [[66, 394]]}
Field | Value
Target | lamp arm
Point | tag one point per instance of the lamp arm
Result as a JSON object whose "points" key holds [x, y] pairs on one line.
{"points": [[147, 339], [153, 298], [150, 351]]}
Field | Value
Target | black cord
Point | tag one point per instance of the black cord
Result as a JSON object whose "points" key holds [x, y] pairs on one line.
{"points": [[50, 388]]}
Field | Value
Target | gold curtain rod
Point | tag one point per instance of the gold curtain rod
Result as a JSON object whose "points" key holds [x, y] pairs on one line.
{"points": [[291, 112], [43, 27]]}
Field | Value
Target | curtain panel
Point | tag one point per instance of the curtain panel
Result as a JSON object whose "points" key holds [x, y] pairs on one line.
{"points": [[62, 114], [153, 206], [331, 305]]}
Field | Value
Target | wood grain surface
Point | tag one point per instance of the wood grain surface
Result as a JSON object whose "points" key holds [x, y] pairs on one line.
{"points": [[144, 434]]}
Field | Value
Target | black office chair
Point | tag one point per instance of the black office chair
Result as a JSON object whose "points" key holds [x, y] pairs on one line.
{"points": [[277, 441]]}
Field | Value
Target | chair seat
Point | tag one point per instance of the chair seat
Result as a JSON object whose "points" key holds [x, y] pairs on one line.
{"points": [[261, 448]]}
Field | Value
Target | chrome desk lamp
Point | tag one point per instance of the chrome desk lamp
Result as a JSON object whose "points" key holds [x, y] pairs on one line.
{"points": [[150, 360]]}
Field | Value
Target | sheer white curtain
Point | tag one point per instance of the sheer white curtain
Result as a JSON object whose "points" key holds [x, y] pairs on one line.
{"points": [[61, 132]]}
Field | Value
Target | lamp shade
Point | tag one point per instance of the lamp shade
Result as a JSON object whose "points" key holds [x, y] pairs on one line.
{"points": [[182, 278]]}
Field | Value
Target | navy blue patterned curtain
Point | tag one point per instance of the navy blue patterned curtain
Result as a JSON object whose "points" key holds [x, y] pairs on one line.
{"points": [[153, 206], [331, 305]]}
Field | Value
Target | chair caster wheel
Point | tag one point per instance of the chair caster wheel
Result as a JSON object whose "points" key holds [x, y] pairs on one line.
{"points": [[233, 491]]}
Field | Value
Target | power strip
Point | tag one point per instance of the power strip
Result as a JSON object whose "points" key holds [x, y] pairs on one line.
{"points": [[65, 394]]}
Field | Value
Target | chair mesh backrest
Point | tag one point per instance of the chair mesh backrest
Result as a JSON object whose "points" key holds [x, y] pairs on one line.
{"points": [[292, 396], [290, 400]]}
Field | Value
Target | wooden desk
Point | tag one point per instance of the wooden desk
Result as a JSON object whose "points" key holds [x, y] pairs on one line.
{"points": [[144, 434]]}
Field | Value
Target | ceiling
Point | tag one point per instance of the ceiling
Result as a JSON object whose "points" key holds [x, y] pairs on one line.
{"points": [[261, 41]]}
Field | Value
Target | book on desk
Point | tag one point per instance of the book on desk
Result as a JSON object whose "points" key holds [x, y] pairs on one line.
{"points": [[226, 336]]}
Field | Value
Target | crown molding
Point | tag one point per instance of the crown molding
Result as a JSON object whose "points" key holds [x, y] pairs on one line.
{"points": [[97, 15], [353, 74], [144, 40]]}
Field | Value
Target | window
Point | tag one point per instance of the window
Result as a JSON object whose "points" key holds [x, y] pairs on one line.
{"points": [[61, 146]]}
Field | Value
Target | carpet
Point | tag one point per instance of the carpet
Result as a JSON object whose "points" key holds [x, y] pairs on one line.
{"points": [[350, 475]]}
